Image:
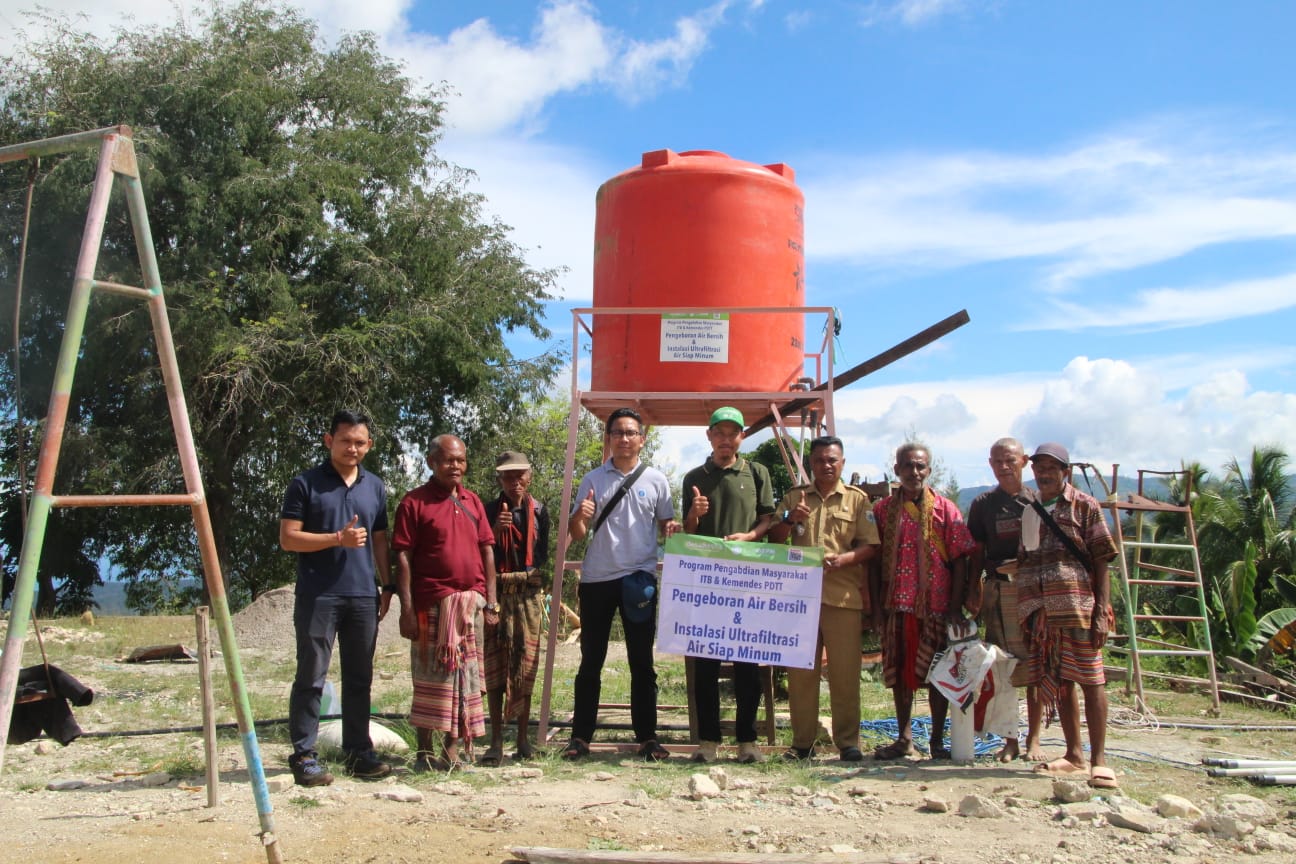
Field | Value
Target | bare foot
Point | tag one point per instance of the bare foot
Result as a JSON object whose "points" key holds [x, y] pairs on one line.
{"points": [[1033, 751], [1010, 751]]}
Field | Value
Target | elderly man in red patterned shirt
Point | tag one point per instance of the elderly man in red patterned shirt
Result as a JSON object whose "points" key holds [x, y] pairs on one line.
{"points": [[923, 569], [1063, 595]]}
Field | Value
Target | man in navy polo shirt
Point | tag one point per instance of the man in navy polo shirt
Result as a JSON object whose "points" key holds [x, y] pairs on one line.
{"points": [[335, 518]]}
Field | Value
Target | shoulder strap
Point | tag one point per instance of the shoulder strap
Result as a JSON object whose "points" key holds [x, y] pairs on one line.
{"points": [[1061, 535], [617, 496], [463, 509]]}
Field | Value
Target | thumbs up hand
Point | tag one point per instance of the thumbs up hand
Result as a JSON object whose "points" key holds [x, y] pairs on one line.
{"points": [[701, 505], [353, 536], [587, 507], [503, 520]]}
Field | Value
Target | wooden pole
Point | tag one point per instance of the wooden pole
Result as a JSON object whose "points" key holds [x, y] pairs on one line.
{"points": [[203, 622]]}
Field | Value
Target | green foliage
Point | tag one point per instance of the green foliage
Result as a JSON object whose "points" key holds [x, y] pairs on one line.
{"points": [[316, 254], [1244, 526], [1269, 626], [767, 453]]}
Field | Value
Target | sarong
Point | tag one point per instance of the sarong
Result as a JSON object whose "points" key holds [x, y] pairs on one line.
{"points": [[513, 647], [908, 645], [1060, 654], [999, 616], [447, 696]]}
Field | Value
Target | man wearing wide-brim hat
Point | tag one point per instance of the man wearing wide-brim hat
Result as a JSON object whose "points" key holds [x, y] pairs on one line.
{"points": [[1063, 603], [521, 527]]}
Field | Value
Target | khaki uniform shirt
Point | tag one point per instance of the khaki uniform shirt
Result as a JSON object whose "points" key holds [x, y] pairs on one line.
{"points": [[835, 522]]}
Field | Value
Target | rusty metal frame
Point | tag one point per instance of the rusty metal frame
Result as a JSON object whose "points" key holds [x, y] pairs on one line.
{"points": [[117, 161]]}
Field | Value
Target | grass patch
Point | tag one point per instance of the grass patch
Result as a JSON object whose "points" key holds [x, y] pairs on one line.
{"points": [[305, 802]]}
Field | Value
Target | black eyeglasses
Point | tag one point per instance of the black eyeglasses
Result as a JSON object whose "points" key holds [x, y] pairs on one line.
{"points": [[624, 433]]}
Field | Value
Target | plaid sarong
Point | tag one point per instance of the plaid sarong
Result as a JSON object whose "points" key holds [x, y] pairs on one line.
{"points": [[513, 646], [999, 616], [448, 689]]}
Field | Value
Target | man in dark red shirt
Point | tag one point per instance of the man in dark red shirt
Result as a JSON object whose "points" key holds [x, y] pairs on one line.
{"points": [[445, 576]]}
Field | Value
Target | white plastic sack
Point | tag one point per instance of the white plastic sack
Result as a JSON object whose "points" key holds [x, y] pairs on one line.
{"points": [[957, 672]]}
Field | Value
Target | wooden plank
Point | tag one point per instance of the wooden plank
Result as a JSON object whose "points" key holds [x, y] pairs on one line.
{"points": [[873, 364], [549, 855]]}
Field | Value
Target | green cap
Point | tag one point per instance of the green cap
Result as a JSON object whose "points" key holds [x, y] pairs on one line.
{"points": [[727, 414]]}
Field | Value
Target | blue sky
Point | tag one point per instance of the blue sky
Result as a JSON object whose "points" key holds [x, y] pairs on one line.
{"points": [[1108, 188]]}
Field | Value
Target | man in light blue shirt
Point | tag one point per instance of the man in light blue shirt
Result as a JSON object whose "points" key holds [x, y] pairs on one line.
{"points": [[621, 554]]}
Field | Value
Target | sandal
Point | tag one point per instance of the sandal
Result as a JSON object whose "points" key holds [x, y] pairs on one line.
{"points": [[491, 758], [895, 750], [1102, 777], [652, 751], [940, 751], [1059, 767], [575, 749]]}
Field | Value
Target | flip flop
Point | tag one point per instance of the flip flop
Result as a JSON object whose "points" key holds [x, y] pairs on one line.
{"points": [[1059, 767], [491, 758], [1102, 777], [893, 751], [940, 751]]}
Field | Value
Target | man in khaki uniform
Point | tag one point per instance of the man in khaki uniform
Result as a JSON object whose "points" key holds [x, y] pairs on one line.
{"points": [[838, 517]]}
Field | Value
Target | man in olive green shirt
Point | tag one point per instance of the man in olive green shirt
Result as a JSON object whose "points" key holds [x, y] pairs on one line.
{"points": [[730, 497], [839, 518]]}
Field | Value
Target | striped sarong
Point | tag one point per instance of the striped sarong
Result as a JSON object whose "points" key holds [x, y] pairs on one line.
{"points": [[1060, 654], [908, 645], [448, 695]]}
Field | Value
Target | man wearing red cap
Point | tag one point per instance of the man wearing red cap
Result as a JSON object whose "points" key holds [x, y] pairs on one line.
{"points": [[1063, 595]]}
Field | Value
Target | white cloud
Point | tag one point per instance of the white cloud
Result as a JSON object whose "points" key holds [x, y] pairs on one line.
{"points": [[1146, 414], [911, 13], [1160, 308], [547, 195], [1106, 206], [497, 82]]}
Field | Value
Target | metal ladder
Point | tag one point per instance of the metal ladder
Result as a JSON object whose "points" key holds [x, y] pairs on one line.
{"points": [[1132, 540]]}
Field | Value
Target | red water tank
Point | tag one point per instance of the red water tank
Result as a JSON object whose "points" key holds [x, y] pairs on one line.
{"points": [[698, 229]]}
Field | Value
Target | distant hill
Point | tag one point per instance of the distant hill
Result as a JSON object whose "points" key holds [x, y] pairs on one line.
{"points": [[111, 597], [1153, 488]]}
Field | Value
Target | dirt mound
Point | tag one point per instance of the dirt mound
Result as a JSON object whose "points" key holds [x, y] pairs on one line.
{"points": [[266, 623]]}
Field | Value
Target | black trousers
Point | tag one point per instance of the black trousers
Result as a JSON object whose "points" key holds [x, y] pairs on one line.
{"points": [[353, 621], [599, 603], [706, 698]]}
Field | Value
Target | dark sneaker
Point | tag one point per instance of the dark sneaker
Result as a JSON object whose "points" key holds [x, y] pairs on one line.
{"points": [[367, 766], [307, 771], [798, 754], [851, 754]]}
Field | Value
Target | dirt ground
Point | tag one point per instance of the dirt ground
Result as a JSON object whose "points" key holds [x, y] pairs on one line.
{"points": [[904, 812]]}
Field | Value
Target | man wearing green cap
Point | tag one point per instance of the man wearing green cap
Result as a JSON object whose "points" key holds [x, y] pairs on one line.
{"points": [[730, 497]]}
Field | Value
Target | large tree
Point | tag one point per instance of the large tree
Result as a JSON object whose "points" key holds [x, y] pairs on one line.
{"points": [[315, 254]]}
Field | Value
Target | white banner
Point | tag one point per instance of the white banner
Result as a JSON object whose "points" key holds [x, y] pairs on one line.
{"points": [[754, 602], [696, 337]]}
